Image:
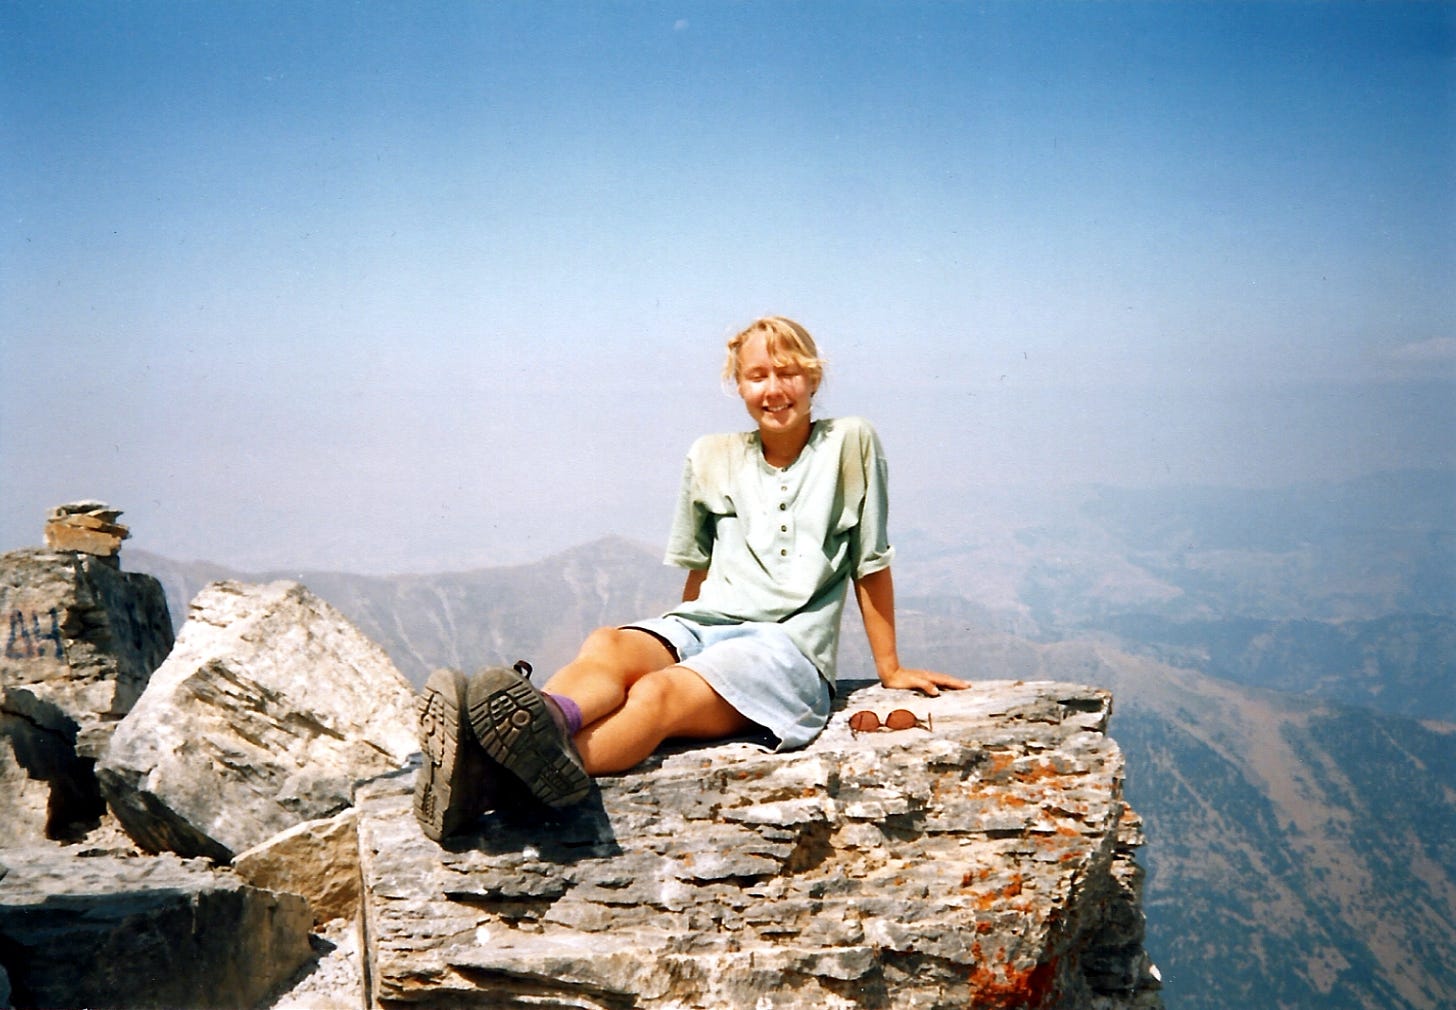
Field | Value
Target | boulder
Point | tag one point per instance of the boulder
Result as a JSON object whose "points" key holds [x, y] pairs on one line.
{"points": [[984, 857], [80, 929], [81, 634], [268, 711], [81, 640]]}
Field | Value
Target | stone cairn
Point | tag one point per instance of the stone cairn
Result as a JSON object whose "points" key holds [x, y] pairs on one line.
{"points": [[87, 526], [244, 837]]}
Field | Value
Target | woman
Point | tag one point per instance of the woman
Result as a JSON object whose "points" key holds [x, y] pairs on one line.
{"points": [[773, 526]]}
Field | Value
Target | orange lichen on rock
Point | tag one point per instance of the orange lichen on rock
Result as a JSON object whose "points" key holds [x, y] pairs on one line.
{"points": [[1008, 988]]}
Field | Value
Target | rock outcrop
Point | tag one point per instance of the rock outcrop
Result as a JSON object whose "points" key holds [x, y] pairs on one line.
{"points": [[983, 859], [269, 710], [82, 638]]}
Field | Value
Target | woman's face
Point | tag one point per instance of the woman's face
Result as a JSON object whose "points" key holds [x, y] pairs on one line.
{"points": [[778, 396]]}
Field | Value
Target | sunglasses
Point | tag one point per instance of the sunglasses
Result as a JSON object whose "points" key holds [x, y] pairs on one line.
{"points": [[865, 721]]}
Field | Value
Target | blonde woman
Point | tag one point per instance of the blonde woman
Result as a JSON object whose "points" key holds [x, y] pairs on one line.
{"points": [[773, 526]]}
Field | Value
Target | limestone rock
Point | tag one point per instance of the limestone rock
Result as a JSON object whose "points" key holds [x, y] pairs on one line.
{"points": [[82, 638], [100, 930], [81, 634], [317, 859], [268, 712], [983, 859]]}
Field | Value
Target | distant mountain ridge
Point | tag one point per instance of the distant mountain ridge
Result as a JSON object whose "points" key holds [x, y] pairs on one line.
{"points": [[1403, 664], [1300, 840], [1380, 545], [540, 612]]}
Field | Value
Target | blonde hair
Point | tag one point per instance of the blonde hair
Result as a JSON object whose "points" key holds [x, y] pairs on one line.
{"points": [[786, 342]]}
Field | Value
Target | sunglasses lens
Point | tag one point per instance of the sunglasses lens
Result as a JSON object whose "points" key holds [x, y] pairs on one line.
{"points": [[864, 722], [901, 719]]}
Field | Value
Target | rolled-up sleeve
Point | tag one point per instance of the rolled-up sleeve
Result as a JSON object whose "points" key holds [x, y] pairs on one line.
{"points": [[690, 542], [869, 543]]}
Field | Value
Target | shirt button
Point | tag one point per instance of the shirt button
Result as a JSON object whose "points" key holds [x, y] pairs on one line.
{"points": [[783, 506], [784, 553], [783, 529]]}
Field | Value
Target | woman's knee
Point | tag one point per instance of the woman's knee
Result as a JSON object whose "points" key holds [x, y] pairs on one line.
{"points": [[601, 665], [627, 649], [602, 641], [681, 702], [652, 694]]}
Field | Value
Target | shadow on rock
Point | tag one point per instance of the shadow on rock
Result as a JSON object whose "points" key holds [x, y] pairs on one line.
{"points": [[581, 831]]}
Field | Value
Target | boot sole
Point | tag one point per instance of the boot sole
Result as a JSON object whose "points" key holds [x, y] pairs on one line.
{"points": [[441, 790], [513, 724]]}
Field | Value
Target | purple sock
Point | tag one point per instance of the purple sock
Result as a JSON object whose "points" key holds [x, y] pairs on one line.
{"points": [[570, 711]]}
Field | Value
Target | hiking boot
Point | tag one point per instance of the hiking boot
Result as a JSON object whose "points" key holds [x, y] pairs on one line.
{"points": [[454, 781], [524, 732]]}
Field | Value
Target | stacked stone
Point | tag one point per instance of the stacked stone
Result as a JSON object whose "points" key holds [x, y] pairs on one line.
{"points": [[86, 526]]}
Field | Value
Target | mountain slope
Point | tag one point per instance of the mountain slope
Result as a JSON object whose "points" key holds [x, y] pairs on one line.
{"points": [[1379, 546], [1402, 664], [1297, 849]]}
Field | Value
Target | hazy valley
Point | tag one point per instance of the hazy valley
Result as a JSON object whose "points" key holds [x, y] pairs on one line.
{"points": [[1284, 665]]}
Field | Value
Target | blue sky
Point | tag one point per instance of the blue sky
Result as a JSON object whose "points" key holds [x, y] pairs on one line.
{"points": [[390, 287]]}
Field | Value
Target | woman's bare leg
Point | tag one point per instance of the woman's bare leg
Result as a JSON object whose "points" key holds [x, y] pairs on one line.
{"points": [[674, 702], [610, 661]]}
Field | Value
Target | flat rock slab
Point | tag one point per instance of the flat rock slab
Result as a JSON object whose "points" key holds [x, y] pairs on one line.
{"points": [[80, 929], [984, 858]]}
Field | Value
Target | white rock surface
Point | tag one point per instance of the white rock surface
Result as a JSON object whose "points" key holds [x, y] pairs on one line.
{"points": [[268, 711], [987, 860]]}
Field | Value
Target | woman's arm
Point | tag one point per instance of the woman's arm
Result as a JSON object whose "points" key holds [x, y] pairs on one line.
{"points": [[694, 584], [876, 595]]}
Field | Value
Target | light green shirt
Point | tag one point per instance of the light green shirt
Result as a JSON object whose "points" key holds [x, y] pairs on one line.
{"points": [[781, 545]]}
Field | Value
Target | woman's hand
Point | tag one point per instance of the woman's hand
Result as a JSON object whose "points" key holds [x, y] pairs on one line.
{"points": [[876, 595], [925, 681]]}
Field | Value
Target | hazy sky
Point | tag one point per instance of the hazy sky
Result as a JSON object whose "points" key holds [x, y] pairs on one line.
{"points": [[387, 287]]}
